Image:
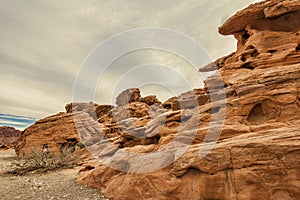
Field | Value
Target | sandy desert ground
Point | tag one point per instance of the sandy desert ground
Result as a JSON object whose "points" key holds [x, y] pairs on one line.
{"points": [[59, 184]]}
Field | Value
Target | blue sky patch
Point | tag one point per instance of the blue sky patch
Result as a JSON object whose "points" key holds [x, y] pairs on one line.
{"points": [[18, 122]]}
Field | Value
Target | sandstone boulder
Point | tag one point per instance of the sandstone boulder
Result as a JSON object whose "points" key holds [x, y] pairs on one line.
{"points": [[57, 133], [128, 96]]}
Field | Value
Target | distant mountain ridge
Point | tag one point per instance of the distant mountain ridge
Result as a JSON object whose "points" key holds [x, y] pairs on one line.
{"points": [[8, 137]]}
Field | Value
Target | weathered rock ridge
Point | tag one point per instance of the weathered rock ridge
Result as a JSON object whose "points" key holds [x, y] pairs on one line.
{"points": [[58, 132], [50, 134], [257, 154], [8, 137], [147, 149]]}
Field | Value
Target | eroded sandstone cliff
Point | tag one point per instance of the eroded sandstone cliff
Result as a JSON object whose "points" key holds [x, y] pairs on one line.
{"points": [[257, 154], [58, 132], [146, 149]]}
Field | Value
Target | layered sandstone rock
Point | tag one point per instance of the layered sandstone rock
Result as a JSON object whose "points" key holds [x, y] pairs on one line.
{"points": [[129, 119], [128, 96], [94, 110], [255, 107], [57, 133], [236, 138], [8, 137]]}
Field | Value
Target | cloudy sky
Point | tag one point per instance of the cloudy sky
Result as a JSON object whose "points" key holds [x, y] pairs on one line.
{"points": [[43, 45]]}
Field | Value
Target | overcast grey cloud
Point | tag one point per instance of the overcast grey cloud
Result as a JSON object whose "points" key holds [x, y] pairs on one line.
{"points": [[43, 44]]}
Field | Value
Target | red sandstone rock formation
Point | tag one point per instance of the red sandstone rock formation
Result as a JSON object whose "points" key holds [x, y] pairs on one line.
{"points": [[50, 134], [257, 154], [57, 133], [8, 137], [128, 96], [255, 107], [94, 110]]}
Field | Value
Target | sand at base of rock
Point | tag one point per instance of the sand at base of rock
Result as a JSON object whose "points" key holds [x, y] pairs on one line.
{"points": [[59, 184]]}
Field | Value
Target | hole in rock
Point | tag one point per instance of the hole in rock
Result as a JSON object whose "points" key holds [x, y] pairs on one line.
{"points": [[272, 51], [298, 47], [89, 167], [45, 148], [254, 53], [250, 47], [247, 66], [157, 138], [72, 140], [243, 59], [246, 35], [257, 114]]}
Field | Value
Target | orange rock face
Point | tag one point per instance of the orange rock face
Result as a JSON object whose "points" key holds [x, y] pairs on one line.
{"points": [[57, 133], [236, 138], [8, 137], [257, 154]]}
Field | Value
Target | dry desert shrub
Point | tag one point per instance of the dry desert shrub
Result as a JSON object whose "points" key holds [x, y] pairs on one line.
{"points": [[40, 162]]}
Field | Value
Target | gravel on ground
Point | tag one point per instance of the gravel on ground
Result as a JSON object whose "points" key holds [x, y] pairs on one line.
{"points": [[54, 185]]}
